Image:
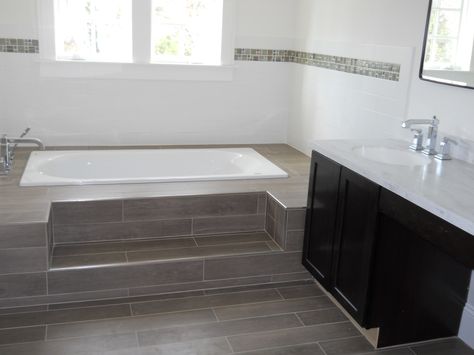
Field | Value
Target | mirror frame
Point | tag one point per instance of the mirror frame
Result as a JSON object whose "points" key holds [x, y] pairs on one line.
{"points": [[425, 39]]}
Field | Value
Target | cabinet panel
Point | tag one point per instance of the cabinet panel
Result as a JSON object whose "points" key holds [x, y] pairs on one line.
{"points": [[419, 292], [321, 217], [354, 243]]}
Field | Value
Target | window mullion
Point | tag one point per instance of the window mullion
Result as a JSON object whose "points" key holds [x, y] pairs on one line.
{"points": [[141, 31]]}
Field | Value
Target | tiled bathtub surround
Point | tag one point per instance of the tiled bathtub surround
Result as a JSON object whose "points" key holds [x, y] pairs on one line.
{"points": [[115, 248], [380, 70], [18, 45], [75, 222]]}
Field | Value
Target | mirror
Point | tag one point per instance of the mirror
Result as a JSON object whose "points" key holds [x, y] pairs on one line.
{"points": [[448, 50]]}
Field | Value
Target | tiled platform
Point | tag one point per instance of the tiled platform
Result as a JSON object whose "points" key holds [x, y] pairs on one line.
{"points": [[32, 204], [282, 319]]}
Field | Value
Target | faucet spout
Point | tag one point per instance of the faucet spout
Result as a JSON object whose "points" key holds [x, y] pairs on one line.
{"points": [[434, 122], [430, 148], [8, 146], [35, 141]]}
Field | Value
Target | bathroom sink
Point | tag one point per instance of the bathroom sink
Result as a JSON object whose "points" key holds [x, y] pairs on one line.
{"points": [[392, 156]]}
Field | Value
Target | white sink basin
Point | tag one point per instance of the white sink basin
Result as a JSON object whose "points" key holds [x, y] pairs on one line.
{"points": [[392, 156]]}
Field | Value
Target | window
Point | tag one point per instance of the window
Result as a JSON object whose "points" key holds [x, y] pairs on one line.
{"points": [[173, 31], [450, 35], [186, 31], [94, 30]]}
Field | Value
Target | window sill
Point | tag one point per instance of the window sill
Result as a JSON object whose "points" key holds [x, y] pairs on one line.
{"points": [[134, 71]]}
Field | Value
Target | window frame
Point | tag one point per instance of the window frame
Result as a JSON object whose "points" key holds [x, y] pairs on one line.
{"points": [[142, 67]]}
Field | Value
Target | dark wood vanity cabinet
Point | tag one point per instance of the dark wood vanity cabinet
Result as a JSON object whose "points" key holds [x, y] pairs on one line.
{"points": [[340, 230], [321, 217], [391, 264]]}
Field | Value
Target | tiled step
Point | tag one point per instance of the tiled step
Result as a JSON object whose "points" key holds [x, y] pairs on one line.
{"points": [[77, 256]]}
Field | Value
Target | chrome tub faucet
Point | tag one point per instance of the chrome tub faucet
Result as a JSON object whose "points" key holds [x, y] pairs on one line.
{"points": [[430, 147], [8, 146]]}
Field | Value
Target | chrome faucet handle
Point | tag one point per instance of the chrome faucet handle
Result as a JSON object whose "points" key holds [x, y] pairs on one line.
{"points": [[445, 149], [417, 140], [25, 132]]}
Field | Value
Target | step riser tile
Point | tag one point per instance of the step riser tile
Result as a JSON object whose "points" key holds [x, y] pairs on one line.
{"points": [[22, 335], [68, 281], [23, 260], [22, 285], [228, 224], [87, 212], [191, 206], [83, 233], [23, 236]]}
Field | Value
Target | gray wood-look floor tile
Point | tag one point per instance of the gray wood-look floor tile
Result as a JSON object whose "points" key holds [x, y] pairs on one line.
{"points": [[446, 347], [204, 302], [301, 291], [213, 346], [130, 324], [252, 322], [89, 345], [63, 316], [356, 345], [293, 336], [256, 287], [306, 349], [220, 329], [271, 308], [133, 299], [331, 315]]}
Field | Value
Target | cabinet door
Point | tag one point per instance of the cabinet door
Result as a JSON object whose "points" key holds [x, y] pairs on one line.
{"points": [[354, 242], [321, 217]]}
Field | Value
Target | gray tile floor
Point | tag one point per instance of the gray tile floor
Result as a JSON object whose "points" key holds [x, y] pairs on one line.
{"points": [[285, 319]]}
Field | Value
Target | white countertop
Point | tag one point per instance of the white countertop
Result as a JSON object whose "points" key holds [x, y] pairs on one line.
{"points": [[444, 188]]}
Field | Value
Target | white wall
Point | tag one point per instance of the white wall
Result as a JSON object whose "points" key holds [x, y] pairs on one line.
{"points": [[330, 105], [252, 108]]}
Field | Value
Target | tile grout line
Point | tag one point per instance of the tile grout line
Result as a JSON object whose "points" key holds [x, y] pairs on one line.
{"points": [[279, 293], [230, 345], [321, 347], [299, 318]]}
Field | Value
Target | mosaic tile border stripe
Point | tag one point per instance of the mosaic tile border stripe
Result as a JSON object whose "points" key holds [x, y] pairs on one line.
{"points": [[19, 45], [379, 70]]}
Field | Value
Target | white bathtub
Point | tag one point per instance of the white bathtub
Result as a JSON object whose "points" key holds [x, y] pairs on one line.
{"points": [[84, 167]]}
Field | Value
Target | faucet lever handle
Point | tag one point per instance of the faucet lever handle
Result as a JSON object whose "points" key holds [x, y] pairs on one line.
{"points": [[417, 140], [25, 132], [444, 146]]}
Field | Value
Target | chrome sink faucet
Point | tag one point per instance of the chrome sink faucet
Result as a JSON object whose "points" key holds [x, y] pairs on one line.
{"points": [[430, 147], [8, 146]]}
